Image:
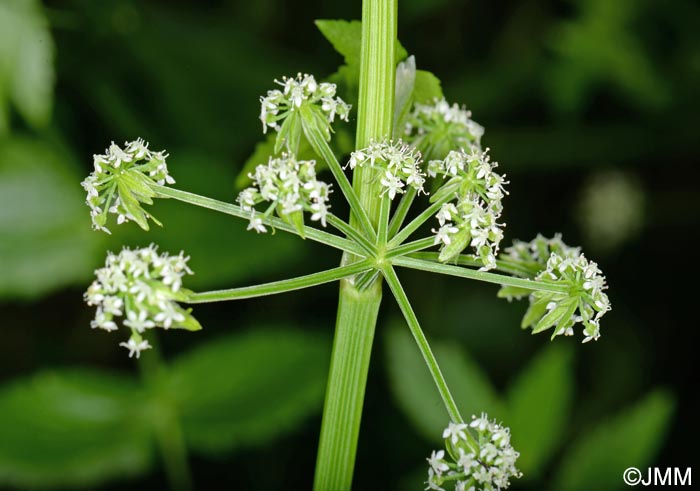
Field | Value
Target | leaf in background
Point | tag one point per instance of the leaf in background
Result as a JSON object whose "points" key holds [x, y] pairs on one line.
{"points": [[244, 390], [427, 88], [346, 38], [539, 406], [222, 250], [71, 428], [600, 47], [632, 438], [46, 241], [415, 390], [26, 62]]}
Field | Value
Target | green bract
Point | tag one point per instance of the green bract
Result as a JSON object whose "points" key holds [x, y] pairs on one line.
{"points": [[122, 181]]}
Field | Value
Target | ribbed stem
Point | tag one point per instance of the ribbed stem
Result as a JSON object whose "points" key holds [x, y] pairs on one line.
{"points": [[357, 310]]}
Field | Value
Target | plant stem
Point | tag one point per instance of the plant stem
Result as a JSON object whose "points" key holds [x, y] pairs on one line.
{"points": [[402, 211], [320, 145], [420, 220], [503, 266], [351, 233], [358, 309], [274, 287], [347, 378], [498, 279], [236, 211], [410, 247], [413, 324]]}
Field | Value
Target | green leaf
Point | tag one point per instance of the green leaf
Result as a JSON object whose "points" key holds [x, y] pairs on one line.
{"points": [[632, 438], [72, 428], [512, 292], [346, 37], [46, 240], [415, 390], [539, 405], [26, 62], [427, 88], [132, 206], [246, 389]]}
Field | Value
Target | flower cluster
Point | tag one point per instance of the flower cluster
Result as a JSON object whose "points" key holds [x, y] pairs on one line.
{"points": [[582, 298], [122, 181], [143, 287], [302, 103], [291, 188], [472, 218], [398, 162], [438, 128], [488, 468]]}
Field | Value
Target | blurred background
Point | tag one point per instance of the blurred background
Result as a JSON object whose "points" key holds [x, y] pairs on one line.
{"points": [[591, 108]]}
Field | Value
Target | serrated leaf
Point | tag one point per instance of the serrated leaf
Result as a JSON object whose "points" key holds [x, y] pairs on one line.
{"points": [[26, 61], [72, 428], [346, 38], [246, 389], [632, 438], [539, 405], [415, 391], [44, 223], [427, 88]]}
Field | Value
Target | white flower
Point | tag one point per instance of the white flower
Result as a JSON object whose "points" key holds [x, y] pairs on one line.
{"points": [[121, 182], [291, 185], [136, 347], [455, 432], [474, 214], [437, 462], [437, 128], [488, 468], [398, 162], [142, 286]]}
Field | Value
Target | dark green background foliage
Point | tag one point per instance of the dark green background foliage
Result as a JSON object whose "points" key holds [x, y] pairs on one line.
{"points": [[591, 108]]}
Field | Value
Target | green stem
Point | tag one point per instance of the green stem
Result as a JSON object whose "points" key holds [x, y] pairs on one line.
{"points": [[420, 219], [274, 287], [402, 211], [498, 279], [352, 234], [320, 145], [347, 378], [167, 427], [395, 285], [358, 309], [465, 260], [383, 227], [277, 223], [410, 247]]}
